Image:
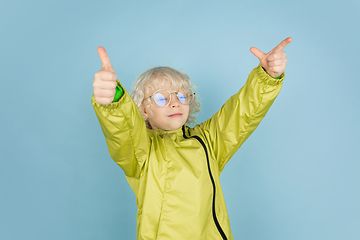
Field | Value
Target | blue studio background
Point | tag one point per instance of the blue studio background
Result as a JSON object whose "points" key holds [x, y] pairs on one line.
{"points": [[297, 177]]}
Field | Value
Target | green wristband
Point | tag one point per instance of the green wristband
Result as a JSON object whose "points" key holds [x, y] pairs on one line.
{"points": [[119, 92]]}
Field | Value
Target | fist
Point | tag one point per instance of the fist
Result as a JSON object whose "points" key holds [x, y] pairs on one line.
{"points": [[105, 80], [274, 62]]}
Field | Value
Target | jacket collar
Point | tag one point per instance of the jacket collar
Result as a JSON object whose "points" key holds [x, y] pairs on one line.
{"points": [[172, 133]]}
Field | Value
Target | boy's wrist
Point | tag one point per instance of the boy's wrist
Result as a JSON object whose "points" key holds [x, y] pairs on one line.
{"points": [[270, 75]]}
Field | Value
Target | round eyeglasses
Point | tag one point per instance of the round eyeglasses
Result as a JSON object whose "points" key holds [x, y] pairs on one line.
{"points": [[162, 97]]}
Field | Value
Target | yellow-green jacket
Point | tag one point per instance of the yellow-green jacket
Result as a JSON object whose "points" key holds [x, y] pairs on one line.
{"points": [[175, 174]]}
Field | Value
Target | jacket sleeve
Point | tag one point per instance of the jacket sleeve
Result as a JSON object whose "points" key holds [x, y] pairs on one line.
{"points": [[125, 133], [228, 129]]}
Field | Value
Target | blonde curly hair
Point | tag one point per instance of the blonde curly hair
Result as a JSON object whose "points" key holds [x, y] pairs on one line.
{"points": [[149, 81]]}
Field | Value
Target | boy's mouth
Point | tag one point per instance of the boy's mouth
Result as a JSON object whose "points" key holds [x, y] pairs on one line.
{"points": [[175, 115]]}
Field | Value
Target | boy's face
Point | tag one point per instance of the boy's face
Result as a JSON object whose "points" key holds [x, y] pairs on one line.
{"points": [[170, 117]]}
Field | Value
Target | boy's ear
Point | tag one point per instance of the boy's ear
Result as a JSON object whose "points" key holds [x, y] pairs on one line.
{"points": [[144, 112]]}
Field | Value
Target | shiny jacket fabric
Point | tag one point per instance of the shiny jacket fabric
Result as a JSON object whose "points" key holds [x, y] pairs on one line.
{"points": [[175, 174]]}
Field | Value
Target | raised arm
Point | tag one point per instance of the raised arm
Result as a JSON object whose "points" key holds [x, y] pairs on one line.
{"points": [[227, 130], [121, 122]]}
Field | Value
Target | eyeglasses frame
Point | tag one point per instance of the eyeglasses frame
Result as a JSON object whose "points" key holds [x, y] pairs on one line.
{"points": [[170, 94]]}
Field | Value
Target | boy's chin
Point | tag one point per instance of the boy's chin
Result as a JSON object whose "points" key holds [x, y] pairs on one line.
{"points": [[169, 126], [173, 127]]}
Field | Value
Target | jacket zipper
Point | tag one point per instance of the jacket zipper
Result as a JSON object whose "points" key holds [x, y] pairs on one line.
{"points": [[212, 181]]}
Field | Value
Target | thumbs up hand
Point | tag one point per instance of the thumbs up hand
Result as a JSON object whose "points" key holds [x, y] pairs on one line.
{"points": [[105, 80], [274, 62]]}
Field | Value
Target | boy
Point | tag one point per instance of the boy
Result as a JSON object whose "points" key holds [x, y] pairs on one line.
{"points": [[173, 169]]}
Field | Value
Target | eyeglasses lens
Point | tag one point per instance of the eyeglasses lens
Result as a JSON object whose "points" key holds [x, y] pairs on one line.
{"points": [[160, 99], [181, 98]]}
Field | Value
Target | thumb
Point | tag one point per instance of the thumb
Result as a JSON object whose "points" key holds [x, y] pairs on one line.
{"points": [[259, 54], [106, 64]]}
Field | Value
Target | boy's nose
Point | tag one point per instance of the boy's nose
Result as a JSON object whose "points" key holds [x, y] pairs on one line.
{"points": [[174, 101]]}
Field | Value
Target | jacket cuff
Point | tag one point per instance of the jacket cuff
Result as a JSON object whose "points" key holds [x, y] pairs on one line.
{"points": [[266, 78]]}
